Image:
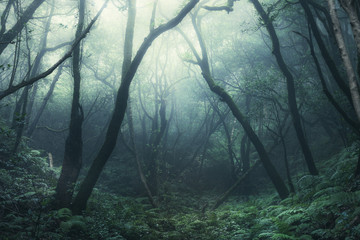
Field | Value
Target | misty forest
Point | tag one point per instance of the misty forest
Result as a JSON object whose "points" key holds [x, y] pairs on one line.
{"points": [[180, 119]]}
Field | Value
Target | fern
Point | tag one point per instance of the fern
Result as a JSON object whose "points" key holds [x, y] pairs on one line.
{"points": [[282, 226], [327, 191], [281, 236], [275, 236], [308, 181], [346, 198], [265, 235], [305, 237], [275, 210], [322, 234]]}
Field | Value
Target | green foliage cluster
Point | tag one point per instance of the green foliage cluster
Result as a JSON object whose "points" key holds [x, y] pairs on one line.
{"points": [[324, 207], [26, 190]]}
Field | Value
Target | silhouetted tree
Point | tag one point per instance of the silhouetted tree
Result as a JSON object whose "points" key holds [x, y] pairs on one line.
{"points": [[100, 160], [73, 146]]}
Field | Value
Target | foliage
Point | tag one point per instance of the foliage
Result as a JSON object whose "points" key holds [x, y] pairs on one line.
{"points": [[26, 189], [196, 152], [325, 207], [320, 210]]}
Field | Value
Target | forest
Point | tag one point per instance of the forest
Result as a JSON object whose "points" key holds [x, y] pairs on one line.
{"points": [[180, 119]]}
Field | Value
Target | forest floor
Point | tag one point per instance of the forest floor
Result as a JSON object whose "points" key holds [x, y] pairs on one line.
{"points": [[324, 207]]}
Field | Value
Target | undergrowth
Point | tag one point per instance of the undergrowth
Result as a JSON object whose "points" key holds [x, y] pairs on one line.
{"points": [[325, 207]]}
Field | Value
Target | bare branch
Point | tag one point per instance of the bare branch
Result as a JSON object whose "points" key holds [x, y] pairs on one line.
{"points": [[13, 89]]}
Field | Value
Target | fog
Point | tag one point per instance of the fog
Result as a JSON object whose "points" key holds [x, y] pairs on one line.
{"points": [[150, 98]]}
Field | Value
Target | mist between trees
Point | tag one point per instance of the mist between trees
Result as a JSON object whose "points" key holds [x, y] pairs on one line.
{"points": [[146, 97]]}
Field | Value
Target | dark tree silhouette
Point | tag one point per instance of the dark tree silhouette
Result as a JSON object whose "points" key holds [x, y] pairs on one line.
{"points": [[100, 160]]}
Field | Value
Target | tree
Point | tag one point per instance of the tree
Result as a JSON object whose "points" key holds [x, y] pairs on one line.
{"points": [[26, 82], [25, 113], [290, 88], [353, 13], [36, 119], [128, 46], [100, 160], [6, 38], [324, 52], [203, 63], [351, 75], [73, 147]]}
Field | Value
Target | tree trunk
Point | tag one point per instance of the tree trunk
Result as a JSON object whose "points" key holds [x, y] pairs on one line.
{"points": [[128, 46], [137, 157], [326, 91], [7, 38], [225, 195], [11, 89], [354, 90], [324, 52], [290, 88], [4, 16], [286, 160], [224, 96], [119, 111], [73, 146], [34, 123], [350, 8], [19, 123], [154, 150]]}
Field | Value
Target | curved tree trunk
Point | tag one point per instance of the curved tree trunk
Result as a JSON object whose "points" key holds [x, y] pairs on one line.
{"points": [[224, 96], [4, 16], [7, 38], [290, 88], [119, 111], [13, 88]]}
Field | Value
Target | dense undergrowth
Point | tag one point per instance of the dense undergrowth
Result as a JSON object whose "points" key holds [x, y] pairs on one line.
{"points": [[324, 207]]}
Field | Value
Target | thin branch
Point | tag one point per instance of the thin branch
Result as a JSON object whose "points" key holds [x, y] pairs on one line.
{"points": [[24, 83]]}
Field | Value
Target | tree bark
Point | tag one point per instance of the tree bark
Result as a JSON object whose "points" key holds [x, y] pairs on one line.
{"points": [[290, 88], [100, 160], [128, 46], [324, 52], [343, 114], [19, 124], [225, 195], [224, 96], [34, 123], [354, 89], [350, 8], [7, 38], [73, 146], [154, 149], [4, 16], [11, 89], [137, 157]]}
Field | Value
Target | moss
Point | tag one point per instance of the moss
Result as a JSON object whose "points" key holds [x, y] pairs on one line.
{"points": [[64, 214], [73, 225]]}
